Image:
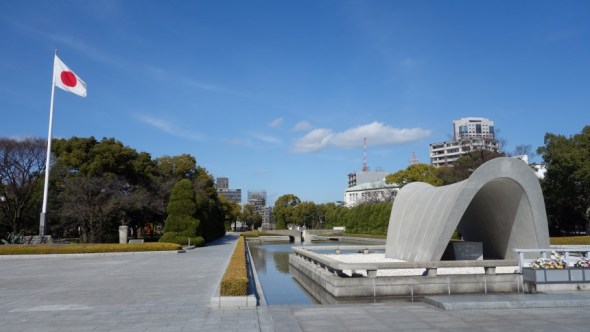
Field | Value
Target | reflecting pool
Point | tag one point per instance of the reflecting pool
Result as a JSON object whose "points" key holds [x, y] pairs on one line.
{"points": [[272, 265]]}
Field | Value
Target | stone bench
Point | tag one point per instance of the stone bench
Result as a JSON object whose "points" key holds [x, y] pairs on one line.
{"points": [[136, 241]]}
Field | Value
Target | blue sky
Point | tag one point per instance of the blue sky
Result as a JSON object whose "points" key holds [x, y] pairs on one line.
{"points": [[278, 95]]}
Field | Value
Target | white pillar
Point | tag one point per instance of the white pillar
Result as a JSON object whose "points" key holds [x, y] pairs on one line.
{"points": [[123, 233]]}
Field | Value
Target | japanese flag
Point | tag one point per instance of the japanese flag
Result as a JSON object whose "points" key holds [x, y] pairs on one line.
{"points": [[64, 78]]}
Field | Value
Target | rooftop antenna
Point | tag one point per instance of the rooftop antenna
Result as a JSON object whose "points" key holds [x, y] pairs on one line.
{"points": [[414, 160], [365, 168]]}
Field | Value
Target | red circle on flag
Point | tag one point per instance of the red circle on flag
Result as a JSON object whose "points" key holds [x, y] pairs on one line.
{"points": [[68, 78]]}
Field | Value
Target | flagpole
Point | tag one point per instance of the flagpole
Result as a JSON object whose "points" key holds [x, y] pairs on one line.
{"points": [[42, 221]]}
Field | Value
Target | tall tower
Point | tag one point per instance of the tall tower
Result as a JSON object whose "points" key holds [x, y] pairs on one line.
{"points": [[414, 160]]}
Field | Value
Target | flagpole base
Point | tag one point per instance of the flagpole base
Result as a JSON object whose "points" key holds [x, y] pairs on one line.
{"points": [[42, 225]]}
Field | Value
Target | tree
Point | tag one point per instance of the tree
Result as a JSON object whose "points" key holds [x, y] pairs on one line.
{"points": [[465, 165], [523, 150], [333, 214], [209, 208], [284, 210], [566, 186], [231, 211], [181, 223], [362, 219], [309, 215], [179, 167], [109, 159], [250, 216], [89, 203], [22, 166], [415, 173], [89, 157]]}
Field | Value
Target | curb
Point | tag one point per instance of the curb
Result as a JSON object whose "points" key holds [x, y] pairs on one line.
{"points": [[44, 256]]}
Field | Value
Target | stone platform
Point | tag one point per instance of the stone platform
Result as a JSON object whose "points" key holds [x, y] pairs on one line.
{"points": [[172, 292]]}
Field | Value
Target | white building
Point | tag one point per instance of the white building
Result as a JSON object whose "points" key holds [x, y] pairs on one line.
{"points": [[473, 128], [470, 134], [368, 192], [360, 177]]}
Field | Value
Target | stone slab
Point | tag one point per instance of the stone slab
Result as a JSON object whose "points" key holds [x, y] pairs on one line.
{"points": [[509, 301]]}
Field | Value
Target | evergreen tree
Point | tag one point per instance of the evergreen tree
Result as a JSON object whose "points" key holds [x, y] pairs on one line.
{"points": [[566, 186], [181, 223]]}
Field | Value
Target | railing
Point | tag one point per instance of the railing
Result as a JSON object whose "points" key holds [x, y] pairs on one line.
{"points": [[337, 267], [566, 251]]}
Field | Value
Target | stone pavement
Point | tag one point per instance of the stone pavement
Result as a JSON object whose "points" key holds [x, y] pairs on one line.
{"points": [[171, 292]]}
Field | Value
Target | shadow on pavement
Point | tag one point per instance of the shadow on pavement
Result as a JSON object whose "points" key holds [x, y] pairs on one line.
{"points": [[223, 240]]}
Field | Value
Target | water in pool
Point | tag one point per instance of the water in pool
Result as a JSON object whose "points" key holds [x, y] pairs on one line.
{"points": [[272, 265]]}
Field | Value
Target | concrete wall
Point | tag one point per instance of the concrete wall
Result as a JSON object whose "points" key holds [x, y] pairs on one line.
{"points": [[500, 205], [327, 287]]}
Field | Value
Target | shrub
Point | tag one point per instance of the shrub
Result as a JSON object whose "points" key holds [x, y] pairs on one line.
{"points": [[182, 239], [235, 278], [250, 234]]}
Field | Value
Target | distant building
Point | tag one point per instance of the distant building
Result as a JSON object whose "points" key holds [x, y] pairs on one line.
{"points": [[466, 128], [370, 192], [222, 185], [367, 186], [267, 220], [469, 134], [258, 200], [360, 177]]}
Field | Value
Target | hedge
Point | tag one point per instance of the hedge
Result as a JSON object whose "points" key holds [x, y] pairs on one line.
{"points": [[182, 239], [235, 278], [254, 233], [26, 249]]}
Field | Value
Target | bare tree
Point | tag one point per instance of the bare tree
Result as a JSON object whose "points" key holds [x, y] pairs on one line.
{"points": [[523, 150], [380, 195], [21, 167], [502, 142], [91, 202]]}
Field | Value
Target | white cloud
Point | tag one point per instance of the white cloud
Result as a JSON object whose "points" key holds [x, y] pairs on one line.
{"points": [[266, 138], [316, 139], [168, 127], [376, 134], [276, 122], [302, 126]]}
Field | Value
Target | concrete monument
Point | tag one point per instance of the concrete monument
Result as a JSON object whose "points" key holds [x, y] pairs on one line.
{"points": [[500, 205]]}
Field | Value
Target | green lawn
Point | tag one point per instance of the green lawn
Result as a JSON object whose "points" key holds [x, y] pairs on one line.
{"points": [[575, 240]]}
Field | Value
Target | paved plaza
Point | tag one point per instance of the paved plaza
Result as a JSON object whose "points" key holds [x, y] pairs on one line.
{"points": [[172, 291]]}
